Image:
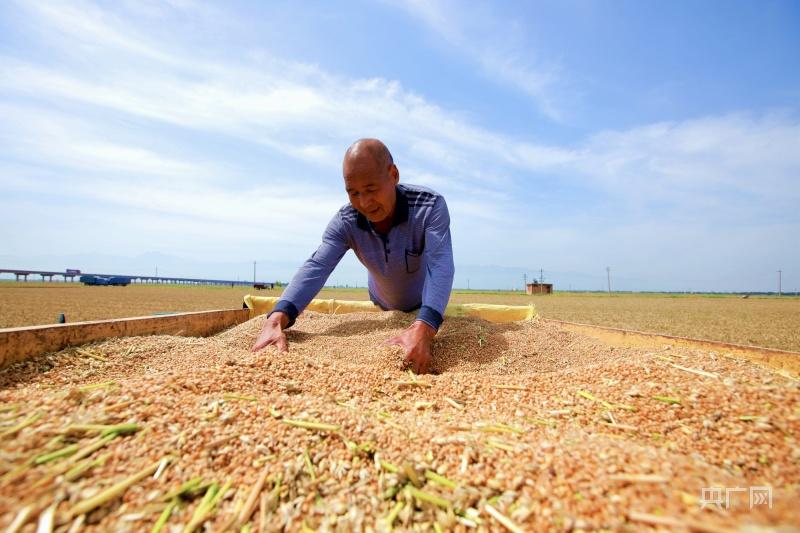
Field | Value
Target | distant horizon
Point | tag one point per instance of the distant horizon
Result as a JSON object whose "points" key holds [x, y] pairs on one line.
{"points": [[171, 269], [482, 290]]}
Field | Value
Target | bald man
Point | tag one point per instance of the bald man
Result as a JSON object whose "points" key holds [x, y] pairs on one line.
{"points": [[400, 232]]}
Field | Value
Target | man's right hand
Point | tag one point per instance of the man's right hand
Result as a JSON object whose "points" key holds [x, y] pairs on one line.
{"points": [[272, 333]]}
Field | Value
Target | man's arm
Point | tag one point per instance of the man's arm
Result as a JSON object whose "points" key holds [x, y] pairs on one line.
{"points": [[439, 265], [416, 340], [305, 284]]}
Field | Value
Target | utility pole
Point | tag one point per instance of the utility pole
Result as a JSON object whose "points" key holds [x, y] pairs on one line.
{"points": [[254, 272], [541, 275], [779, 282], [525, 281], [156, 271], [608, 274], [467, 283]]}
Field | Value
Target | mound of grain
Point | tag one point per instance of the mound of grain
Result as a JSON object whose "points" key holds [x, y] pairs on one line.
{"points": [[523, 422]]}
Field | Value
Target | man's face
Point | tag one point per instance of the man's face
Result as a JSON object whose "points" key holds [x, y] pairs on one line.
{"points": [[370, 187]]}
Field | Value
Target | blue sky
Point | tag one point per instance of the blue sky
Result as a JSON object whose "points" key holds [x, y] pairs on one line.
{"points": [[661, 139]]}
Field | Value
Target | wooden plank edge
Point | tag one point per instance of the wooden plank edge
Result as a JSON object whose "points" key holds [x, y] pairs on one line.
{"points": [[19, 344], [779, 359]]}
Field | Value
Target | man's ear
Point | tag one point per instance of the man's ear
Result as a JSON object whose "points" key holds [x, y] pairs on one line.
{"points": [[394, 173]]}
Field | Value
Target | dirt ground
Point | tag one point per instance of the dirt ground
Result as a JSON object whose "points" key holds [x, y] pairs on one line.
{"points": [[524, 426], [769, 322]]}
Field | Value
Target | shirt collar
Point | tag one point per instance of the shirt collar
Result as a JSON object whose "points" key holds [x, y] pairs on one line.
{"points": [[400, 212]]}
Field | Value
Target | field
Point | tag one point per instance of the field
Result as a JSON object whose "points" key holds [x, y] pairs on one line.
{"points": [[762, 321]]}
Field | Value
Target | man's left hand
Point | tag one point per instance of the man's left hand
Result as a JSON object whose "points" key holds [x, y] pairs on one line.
{"points": [[416, 341]]}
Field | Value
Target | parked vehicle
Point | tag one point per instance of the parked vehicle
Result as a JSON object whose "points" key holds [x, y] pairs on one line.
{"points": [[120, 281]]}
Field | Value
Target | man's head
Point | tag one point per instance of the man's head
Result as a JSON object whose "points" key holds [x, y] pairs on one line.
{"points": [[370, 177]]}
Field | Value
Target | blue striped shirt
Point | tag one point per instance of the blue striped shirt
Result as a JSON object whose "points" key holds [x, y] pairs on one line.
{"points": [[409, 268]]}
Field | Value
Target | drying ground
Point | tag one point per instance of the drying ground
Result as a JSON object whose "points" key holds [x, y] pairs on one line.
{"points": [[525, 425], [761, 321]]}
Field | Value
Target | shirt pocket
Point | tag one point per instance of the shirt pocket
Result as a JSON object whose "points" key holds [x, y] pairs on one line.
{"points": [[413, 261]]}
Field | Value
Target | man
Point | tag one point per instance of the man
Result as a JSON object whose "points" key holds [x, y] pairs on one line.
{"points": [[401, 233]]}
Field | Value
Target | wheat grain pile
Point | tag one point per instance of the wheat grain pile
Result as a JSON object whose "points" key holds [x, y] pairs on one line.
{"points": [[523, 425]]}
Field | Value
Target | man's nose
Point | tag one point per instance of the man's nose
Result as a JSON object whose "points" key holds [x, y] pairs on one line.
{"points": [[367, 200]]}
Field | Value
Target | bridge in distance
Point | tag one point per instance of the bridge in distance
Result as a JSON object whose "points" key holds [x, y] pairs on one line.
{"points": [[70, 275]]}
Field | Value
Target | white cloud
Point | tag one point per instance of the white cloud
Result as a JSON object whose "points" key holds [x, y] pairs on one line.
{"points": [[91, 27], [495, 44], [754, 157], [44, 136]]}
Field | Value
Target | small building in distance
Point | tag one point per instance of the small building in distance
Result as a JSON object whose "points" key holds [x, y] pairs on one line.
{"points": [[539, 288]]}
